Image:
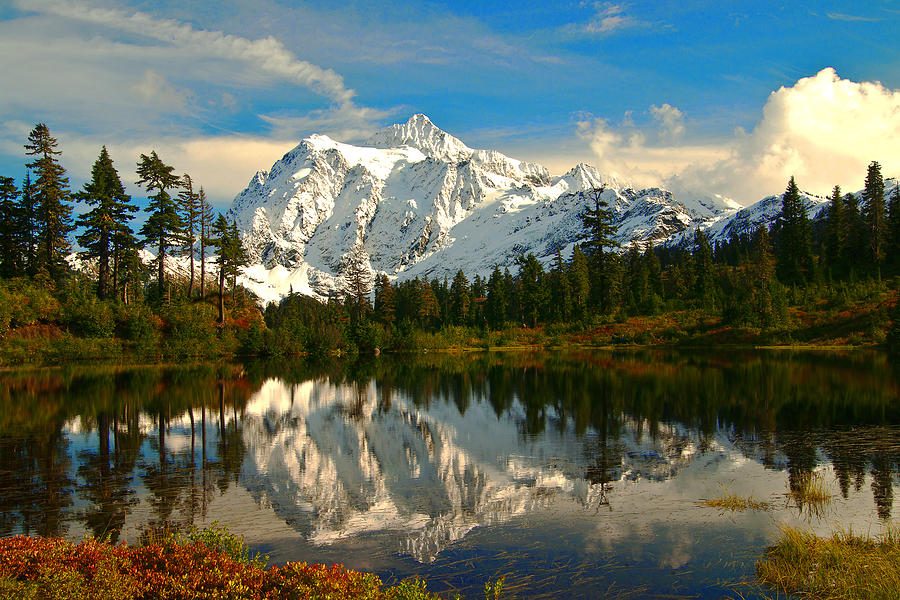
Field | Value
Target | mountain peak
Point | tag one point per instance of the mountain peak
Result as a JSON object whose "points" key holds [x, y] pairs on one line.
{"points": [[420, 133]]}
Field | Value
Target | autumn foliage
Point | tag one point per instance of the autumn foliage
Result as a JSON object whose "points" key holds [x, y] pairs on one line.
{"points": [[54, 568]]}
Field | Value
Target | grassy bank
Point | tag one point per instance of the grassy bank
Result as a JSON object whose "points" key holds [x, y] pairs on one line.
{"points": [[41, 325], [844, 566], [210, 563]]}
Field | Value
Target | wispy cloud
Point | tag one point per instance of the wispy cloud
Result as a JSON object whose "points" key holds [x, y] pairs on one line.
{"points": [[845, 17], [267, 54], [609, 17]]}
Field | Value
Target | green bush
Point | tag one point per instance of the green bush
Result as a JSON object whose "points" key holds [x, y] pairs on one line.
{"points": [[190, 330]]}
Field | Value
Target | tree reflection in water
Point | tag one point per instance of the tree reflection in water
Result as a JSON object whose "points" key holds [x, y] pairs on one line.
{"points": [[89, 445]]}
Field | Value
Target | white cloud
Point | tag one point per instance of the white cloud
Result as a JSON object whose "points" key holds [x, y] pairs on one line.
{"points": [[339, 123], [671, 120], [852, 18], [608, 18], [153, 88], [267, 54], [823, 130], [625, 153]]}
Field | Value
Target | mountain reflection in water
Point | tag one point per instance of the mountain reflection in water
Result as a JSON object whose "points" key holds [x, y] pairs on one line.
{"points": [[412, 456]]}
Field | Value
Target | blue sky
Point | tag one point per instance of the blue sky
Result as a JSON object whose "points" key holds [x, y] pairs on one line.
{"points": [[725, 98]]}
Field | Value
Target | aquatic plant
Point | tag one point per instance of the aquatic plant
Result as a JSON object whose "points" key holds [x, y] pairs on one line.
{"points": [[809, 492], [728, 500], [841, 566]]}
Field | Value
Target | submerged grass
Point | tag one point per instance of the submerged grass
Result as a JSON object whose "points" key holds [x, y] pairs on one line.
{"points": [[730, 501], [843, 566], [810, 493]]}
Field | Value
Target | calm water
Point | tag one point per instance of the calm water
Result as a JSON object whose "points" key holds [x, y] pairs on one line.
{"points": [[574, 476]]}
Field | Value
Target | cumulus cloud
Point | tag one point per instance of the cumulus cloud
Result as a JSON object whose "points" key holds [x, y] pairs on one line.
{"points": [[671, 120], [641, 158], [823, 130]]}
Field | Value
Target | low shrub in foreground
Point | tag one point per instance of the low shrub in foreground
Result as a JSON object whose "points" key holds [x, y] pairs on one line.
{"points": [[199, 565], [842, 566]]}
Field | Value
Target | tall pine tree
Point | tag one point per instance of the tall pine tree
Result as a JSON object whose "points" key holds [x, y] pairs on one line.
{"points": [[163, 227], [836, 234], [26, 226], [50, 192], [873, 214], [206, 223], [794, 249], [190, 209], [10, 247], [231, 257], [109, 217], [892, 243]]}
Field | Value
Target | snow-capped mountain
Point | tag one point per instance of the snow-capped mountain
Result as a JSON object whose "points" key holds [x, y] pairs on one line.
{"points": [[414, 201], [418, 202]]}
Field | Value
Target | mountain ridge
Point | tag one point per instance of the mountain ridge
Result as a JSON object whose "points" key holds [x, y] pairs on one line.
{"points": [[415, 201]]}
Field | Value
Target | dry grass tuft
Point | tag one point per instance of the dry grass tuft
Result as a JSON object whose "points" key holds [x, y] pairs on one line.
{"points": [[843, 566], [810, 493], [733, 502]]}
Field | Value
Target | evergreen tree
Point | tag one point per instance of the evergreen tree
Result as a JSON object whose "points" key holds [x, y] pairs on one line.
{"points": [[560, 290], [26, 226], [496, 304], [873, 214], [534, 291], [163, 226], [190, 209], [479, 294], [704, 277], [892, 245], [460, 299], [385, 300], [206, 223], [231, 256], [836, 233], [109, 216], [767, 303], [856, 239], [597, 218], [637, 282], [794, 250], [580, 278], [654, 279], [357, 279], [511, 290], [51, 196], [10, 247], [428, 310]]}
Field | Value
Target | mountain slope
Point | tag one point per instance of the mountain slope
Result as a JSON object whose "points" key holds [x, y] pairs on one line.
{"points": [[421, 203]]}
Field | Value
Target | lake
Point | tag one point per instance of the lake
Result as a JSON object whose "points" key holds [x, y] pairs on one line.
{"points": [[574, 475]]}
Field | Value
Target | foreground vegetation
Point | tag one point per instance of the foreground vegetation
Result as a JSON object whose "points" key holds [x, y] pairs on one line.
{"points": [[842, 566], [211, 563]]}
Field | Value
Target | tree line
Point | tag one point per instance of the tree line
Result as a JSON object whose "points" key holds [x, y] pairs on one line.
{"points": [[749, 280], [36, 223]]}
